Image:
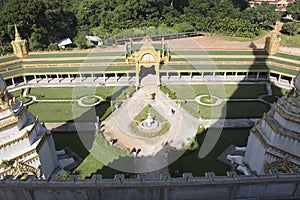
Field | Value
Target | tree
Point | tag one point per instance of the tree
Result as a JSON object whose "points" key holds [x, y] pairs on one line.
{"points": [[80, 41], [290, 28], [266, 14], [294, 9]]}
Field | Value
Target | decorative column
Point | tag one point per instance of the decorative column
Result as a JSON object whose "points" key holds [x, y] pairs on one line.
{"points": [[13, 81], [137, 78], [116, 77], [279, 78], [157, 73]]}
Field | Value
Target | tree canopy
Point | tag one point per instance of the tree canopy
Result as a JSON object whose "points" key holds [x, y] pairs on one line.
{"points": [[44, 22]]}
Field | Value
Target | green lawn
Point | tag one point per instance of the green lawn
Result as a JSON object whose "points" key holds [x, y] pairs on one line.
{"points": [[232, 91], [55, 112], [71, 93], [64, 112], [189, 162], [249, 109], [73, 141], [277, 91], [101, 154], [17, 93]]}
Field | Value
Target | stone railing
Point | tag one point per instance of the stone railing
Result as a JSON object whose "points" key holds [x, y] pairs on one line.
{"points": [[232, 186]]}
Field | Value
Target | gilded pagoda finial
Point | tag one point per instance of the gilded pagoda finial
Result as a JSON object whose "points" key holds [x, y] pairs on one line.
{"points": [[17, 34]]}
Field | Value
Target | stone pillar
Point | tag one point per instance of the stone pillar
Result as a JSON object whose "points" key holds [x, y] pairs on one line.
{"points": [[116, 77], [279, 78], [157, 74], [257, 76], [104, 77], [127, 77], [57, 76], [225, 75], [247, 73], [92, 75], [179, 75], [292, 82], [191, 76], [46, 77], [80, 77], [167, 75], [13, 81], [214, 74], [24, 78], [35, 80], [69, 77], [137, 71]]}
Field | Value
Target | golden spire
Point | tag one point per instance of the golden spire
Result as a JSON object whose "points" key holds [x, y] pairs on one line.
{"points": [[17, 35]]}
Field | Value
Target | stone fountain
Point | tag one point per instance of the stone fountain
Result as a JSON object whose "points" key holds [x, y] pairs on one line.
{"points": [[149, 123]]}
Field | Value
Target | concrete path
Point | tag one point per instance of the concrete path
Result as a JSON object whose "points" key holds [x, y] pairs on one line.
{"points": [[183, 125]]}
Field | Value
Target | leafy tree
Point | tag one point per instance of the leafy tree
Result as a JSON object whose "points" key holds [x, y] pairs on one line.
{"points": [[80, 40], [35, 42], [53, 47], [290, 28], [266, 13], [183, 27], [294, 9]]}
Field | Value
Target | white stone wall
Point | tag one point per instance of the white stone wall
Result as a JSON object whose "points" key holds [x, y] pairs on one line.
{"points": [[280, 141], [48, 164], [289, 125], [255, 154]]}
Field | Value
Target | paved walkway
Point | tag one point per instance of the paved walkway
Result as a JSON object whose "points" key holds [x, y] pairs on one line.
{"points": [[117, 125]]}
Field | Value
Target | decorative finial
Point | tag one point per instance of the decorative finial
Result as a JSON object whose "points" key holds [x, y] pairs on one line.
{"points": [[17, 35]]}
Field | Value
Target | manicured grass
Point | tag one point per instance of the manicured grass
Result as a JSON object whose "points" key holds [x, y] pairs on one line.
{"points": [[64, 112], [248, 109], [73, 141], [101, 154], [189, 162], [56, 112], [17, 93], [277, 91], [167, 90], [270, 99], [163, 128], [154, 114], [232, 91], [72, 93], [208, 99]]}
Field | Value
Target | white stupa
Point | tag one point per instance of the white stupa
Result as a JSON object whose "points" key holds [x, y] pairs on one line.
{"points": [[274, 142], [26, 147]]}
